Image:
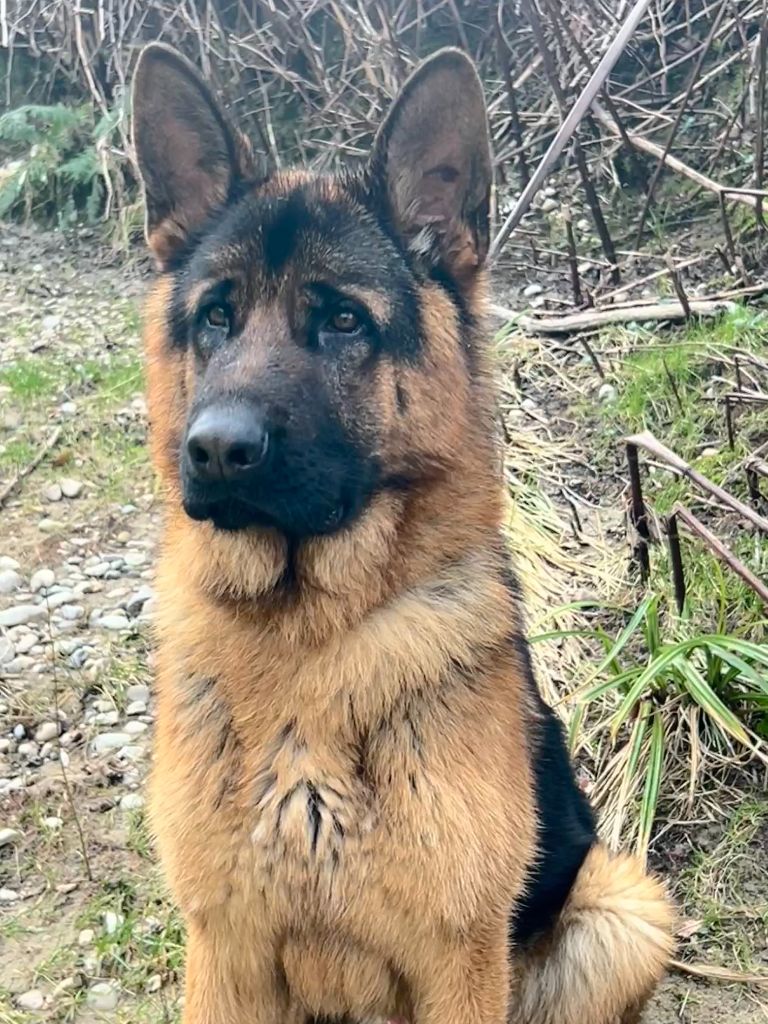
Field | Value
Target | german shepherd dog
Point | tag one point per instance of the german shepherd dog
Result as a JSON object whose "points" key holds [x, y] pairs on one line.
{"points": [[363, 807]]}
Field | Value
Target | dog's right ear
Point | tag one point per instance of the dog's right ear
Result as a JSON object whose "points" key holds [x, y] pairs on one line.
{"points": [[188, 155]]}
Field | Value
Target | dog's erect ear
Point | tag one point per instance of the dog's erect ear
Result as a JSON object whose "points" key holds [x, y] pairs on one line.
{"points": [[187, 154], [432, 162]]}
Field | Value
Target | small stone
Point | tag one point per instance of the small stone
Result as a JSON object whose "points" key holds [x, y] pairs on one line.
{"points": [[109, 741], [52, 492], [19, 731], [8, 895], [53, 823], [10, 581], [47, 525], [9, 836], [113, 622], [68, 409], [28, 749], [106, 718], [32, 1000], [54, 601], [71, 488], [86, 937], [102, 996], [7, 650], [528, 405], [70, 984], [549, 205], [154, 983], [607, 393], [707, 453], [20, 614], [47, 731], [135, 728], [533, 289], [6, 562], [98, 570], [42, 579], [132, 752], [131, 802], [112, 921], [51, 322], [137, 691], [72, 612], [583, 224], [136, 707], [136, 602]]}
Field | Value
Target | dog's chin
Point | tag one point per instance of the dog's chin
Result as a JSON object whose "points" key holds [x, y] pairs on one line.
{"points": [[301, 522]]}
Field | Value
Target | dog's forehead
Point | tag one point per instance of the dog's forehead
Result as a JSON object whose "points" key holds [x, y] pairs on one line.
{"points": [[308, 226]]}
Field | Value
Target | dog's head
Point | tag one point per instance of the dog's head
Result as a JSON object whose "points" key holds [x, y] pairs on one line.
{"points": [[311, 341]]}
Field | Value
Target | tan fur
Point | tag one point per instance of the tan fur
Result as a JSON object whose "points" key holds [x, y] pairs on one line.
{"points": [[609, 950], [342, 792]]}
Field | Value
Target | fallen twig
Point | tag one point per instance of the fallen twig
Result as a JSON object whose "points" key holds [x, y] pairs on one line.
{"points": [[590, 319], [11, 487]]}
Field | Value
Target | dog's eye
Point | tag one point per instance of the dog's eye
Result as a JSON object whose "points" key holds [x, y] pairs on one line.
{"points": [[345, 321], [217, 317]]}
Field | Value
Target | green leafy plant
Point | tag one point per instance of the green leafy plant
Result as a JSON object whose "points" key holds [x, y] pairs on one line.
{"points": [[654, 702], [63, 164]]}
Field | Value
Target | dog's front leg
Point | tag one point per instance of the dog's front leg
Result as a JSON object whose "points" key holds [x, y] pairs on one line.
{"points": [[465, 982], [230, 983]]}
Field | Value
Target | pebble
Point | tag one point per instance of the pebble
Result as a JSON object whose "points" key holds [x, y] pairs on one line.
{"points": [[42, 579], [6, 562], [72, 612], [21, 614], [7, 650], [137, 691], [19, 731], [97, 570], [86, 937], [53, 823], [607, 393], [154, 983], [132, 752], [32, 1000], [135, 728], [131, 802], [136, 707], [102, 996], [52, 492], [68, 409], [10, 580], [28, 749], [47, 525], [113, 622], [106, 718], [136, 602], [71, 488], [528, 405], [26, 643], [533, 289], [47, 731], [549, 205], [8, 895], [134, 558], [109, 741], [9, 836], [112, 921]]}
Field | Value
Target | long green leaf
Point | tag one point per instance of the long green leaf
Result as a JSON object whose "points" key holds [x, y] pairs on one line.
{"points": [[621, 640], [710, 703], [652, 783]]}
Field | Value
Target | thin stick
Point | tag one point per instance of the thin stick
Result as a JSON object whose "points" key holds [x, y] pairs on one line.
{"points": [[25, 471], [676, 558], [649, 443], [721, 551], [590, 319], [679, 117], [571, 123], [638, 512], [573, 260], [678, 286]]}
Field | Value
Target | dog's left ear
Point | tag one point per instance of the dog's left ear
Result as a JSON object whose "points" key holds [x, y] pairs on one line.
{"points": [[431, 163]]}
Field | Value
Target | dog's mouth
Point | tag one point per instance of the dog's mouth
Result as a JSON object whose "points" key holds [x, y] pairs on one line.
{"points": [[296, 519]]}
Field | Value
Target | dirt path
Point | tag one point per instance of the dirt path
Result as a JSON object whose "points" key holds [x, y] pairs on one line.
{"points": [[86, 930]]}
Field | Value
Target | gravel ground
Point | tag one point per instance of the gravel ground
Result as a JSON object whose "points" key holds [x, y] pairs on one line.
{"points": [[86, 929]]}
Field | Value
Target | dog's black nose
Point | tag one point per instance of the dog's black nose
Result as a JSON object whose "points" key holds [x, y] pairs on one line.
{"points": [[226, 442]]}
